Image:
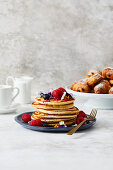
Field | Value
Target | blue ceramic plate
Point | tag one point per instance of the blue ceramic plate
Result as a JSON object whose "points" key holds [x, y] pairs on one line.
{"points": [[18, 119]]}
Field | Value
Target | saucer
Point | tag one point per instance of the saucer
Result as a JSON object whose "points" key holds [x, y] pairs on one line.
{"points": [[9, 109]]}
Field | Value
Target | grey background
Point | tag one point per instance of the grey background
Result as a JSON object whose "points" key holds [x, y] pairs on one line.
{"points": [[56, 41]]}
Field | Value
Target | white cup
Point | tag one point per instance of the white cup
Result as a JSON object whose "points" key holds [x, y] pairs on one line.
{"points": [[24, 85], [6, 95]]}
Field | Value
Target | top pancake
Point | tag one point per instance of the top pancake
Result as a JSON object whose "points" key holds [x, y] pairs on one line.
{"points": [[53, 102], [52, 107]]}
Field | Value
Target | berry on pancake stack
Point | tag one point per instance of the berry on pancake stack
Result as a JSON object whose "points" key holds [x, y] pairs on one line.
{"points": [[55, 107]]}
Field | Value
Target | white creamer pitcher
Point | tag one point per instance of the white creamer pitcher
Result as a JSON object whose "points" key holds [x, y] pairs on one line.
{"points": [[24, 85]]}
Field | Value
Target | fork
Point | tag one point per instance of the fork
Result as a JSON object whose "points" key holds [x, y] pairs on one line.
{"points": [[90, 117]]}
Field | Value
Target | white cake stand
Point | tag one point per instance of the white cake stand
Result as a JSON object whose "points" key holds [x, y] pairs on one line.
{"points": [[99, 101]]}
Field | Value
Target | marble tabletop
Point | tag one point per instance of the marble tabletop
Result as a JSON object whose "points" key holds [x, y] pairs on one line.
{"points": [[21, 148]]}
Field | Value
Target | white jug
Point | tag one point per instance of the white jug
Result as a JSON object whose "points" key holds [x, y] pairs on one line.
{"points": [[24, 85]]}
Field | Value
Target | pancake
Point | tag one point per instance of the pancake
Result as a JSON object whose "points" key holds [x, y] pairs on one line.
{"points": [[53, 102], [68, 123], [40, 115], [52, 111], [56, 120], [59, 112], [58, 107]]}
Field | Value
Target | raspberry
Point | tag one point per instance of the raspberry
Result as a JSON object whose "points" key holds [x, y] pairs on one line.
{"points": [[60, 92], [57, 93], [26, 117], [79, 120], [62, 89], [82, 114], [36, 122]]}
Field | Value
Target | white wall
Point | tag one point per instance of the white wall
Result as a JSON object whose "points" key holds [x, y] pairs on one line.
{"points": [[56, 41]]}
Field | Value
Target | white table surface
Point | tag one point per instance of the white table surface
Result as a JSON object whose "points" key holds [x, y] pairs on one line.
{"points": [[22, 149]]}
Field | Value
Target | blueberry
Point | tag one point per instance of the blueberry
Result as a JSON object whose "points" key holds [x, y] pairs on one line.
{"points": [[82, 89], [46, 96], [109, 75], [50, 94], [42, 94]]}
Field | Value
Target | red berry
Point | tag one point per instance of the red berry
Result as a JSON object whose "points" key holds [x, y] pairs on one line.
{"points": [[36, 122], [26, 117], [79, 120], [32, 123], [82, 114], [62, 89], [57, 93], [60, 92]]}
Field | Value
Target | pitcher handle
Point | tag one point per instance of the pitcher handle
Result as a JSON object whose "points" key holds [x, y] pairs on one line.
{"points": [[15, 88], [8, 79]]}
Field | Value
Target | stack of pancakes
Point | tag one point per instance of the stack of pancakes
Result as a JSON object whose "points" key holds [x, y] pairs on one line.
{"points": [[54, 111]]}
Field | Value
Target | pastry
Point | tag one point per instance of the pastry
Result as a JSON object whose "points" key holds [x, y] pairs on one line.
{"points": [[111, 90], [73, 84], [111, 82], [102, 88], [95, 82], [81, 87], [109, 74], [91, 73], [94, 79], [105, 71], [83, 81]]}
